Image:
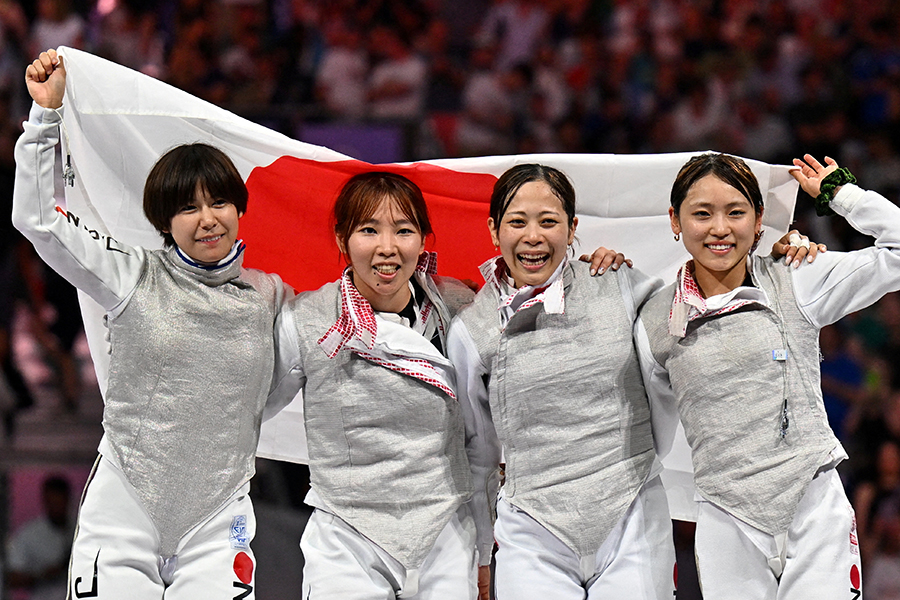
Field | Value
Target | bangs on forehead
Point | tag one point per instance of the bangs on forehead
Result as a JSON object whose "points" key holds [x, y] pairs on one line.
{"points": [[511, 181], [405, 207], [371, 205], [364, 194], [731, 170]]}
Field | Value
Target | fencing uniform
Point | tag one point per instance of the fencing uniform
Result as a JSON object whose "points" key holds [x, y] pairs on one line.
{"points": [[386, 437], [554, 378], [192, 358], [743, 369]]}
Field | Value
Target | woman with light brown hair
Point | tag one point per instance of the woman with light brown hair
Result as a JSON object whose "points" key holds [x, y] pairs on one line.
{"points": [[390, 480]]}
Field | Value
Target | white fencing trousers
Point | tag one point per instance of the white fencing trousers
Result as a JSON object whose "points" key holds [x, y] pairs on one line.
{"points": [[636, 561], [116, 550], [817, 558], [342, 564]]}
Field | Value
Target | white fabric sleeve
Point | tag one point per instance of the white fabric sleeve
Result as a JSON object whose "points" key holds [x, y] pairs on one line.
{"points": [[283, 388], [839, 283], [482, 443], [288, 378], [100, 266], [668, 434]]}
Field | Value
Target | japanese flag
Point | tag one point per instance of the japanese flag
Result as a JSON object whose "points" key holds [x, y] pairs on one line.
{"points": [[118, 122]]}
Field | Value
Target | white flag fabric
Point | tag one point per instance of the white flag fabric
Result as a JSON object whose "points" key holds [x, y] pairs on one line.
{"points": [[118, 122]]}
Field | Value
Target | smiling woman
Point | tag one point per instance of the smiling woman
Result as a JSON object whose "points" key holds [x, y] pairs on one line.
{"points": [[547, 366], [194, 197], [387, 438], [717, 205], [206, 229], [531, 222], [380, 224], [733, 344], [192, 351]]}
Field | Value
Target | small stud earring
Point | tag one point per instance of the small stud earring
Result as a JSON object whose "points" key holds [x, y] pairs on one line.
{"points": [[678, 236]]}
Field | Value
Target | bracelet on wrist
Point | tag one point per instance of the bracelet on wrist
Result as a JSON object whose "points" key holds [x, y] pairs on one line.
{"points": [[833, 180]]}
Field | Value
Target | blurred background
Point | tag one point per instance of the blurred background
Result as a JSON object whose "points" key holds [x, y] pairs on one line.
{"points": [[398, 80]]}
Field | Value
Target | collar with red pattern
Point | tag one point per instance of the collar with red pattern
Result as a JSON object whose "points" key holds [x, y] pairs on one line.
{"points": [[357, 319], [689, 303], [551, 293], [357, 322]]}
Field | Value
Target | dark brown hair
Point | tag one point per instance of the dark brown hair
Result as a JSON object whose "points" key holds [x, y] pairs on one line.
{"points": [[361, 196], [515, 177], [729, 169], [175, 178]]}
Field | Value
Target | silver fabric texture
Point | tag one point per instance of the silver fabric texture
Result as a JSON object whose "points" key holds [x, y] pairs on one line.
{"points": [[569, 406], [386, 451], [730, 393], [190, 370]]}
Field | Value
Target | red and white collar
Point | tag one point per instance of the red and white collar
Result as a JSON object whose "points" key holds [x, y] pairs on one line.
{"points": [[357, 319], [689, 303], [551, 293], [357, 330]]}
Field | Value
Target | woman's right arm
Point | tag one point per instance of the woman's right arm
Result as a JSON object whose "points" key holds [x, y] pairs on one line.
{"points": [[482, 444], [668, 435], [288, 377], [97, 264]]}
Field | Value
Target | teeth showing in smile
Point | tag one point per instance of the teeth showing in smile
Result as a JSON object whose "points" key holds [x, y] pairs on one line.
{"points": [[211, 239], [718, 246], [387, 269], [533, 260]]}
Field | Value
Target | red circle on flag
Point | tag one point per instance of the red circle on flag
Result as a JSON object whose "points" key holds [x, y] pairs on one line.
{"points": [[854, 576], [243, 567], [288, 225], [675, 575]]}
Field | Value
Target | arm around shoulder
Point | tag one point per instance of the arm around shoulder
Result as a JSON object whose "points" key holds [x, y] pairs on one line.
{"points": [[482, 443], [454, 293], [288, 377], [637, 288]]}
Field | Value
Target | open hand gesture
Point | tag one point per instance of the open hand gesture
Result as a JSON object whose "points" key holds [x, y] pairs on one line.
{"points": [[810, 173]]}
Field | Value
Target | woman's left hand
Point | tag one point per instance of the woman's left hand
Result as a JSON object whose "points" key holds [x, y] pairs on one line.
{"points": [[604, 258], [809, 173], [794, 247]]}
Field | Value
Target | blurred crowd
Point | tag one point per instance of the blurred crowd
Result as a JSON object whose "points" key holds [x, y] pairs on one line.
{"points": [[758, 78], [763, 79]]}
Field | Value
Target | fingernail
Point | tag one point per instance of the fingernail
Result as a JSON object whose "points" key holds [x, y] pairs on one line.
{"points": [[602, 271], [796, 263], [809, 258], [593, 271], [615, 267]]}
